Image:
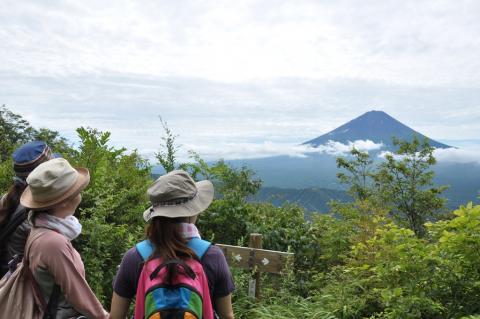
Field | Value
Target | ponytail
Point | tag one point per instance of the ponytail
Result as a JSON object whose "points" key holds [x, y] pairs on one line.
{"points": [[164, 234]]}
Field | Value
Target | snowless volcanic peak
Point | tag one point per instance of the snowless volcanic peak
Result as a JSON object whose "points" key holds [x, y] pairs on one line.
{"points": [[376, 126]]}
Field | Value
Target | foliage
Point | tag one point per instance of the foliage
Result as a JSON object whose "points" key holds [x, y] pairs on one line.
{"points": [[6, 175], [168, 149], [225, 220], [402, 183], [359, 174], [358, 261], [14, 130], [112, 206], [405, 182]]}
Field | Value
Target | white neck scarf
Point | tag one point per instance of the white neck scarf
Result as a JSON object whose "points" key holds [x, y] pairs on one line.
{"points": [[70, 227]]}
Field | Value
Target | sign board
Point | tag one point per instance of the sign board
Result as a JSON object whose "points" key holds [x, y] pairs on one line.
{"points": [[261, 259]]}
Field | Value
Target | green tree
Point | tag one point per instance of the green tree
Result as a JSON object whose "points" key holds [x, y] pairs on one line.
{"points": [[14, 130], [225, 221], [112, 206], [57, 143], [168, 150], [359, 174], [405, 182]]}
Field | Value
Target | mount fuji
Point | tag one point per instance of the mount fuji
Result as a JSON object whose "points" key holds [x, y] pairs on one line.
{"points": [[376, 126]]}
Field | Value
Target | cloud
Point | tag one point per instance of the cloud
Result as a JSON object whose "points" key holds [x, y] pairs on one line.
{"points": [[207, 114], [232, 151], [268, 148], [337, 148], [240, 74], [458, 155], [465, 155], [240, 41]]}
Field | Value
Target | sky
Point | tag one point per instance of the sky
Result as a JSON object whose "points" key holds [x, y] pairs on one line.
{"points": [[242, 79]]}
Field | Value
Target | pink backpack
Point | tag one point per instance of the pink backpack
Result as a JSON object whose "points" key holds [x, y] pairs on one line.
{"points": [[186, 297]]}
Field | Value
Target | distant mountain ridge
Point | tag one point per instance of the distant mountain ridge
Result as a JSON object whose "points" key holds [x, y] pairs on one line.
{"points": [[376, 126], [313, 199]]}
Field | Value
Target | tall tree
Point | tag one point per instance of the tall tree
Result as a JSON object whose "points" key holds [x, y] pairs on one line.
{"points": [[167, 154], [405, 181], [14, 130], [359, 173]]}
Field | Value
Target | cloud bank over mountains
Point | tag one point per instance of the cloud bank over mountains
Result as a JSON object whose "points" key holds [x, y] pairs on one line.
{"points": [[240, 79], [232, 151]]}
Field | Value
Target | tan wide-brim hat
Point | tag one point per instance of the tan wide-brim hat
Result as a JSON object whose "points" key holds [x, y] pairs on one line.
{"points": [[176, 194], [53, 182]]}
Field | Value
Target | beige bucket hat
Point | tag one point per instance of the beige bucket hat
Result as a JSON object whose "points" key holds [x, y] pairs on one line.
{"points": [[176, 194], [52, 182]]}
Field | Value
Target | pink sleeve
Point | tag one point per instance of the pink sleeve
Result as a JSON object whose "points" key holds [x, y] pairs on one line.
{"points": [[67, 268]]}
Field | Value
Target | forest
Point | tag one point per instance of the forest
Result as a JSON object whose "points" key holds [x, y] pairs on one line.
{"points": [[393, 251]]}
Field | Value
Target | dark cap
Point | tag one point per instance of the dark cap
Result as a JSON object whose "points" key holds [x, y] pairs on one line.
{"points": [[30, 155]]}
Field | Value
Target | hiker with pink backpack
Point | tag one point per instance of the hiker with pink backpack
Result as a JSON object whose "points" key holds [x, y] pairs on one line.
{"points": [[174, 273]]}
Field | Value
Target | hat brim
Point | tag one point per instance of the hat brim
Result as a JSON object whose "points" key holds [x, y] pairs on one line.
{"points": [[193, 207], [83, 180]]}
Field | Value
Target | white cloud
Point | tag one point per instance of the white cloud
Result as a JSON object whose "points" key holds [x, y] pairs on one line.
{"points": [[246, 40], [243, 150], [464, 155], [458, 155], [248, 150], [240, 74], [337, 148]]}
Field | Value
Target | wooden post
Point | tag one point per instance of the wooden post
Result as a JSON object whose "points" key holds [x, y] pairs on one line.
{"points": [[254, 285]]}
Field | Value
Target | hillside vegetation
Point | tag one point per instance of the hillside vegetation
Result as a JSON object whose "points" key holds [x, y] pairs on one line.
{"points": [[393, 252]]}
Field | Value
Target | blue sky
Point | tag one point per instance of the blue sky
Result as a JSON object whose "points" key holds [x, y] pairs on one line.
{"points": [[241, 78]]}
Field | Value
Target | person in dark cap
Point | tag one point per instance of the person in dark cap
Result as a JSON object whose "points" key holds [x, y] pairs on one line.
{"points": [[14, 227]]}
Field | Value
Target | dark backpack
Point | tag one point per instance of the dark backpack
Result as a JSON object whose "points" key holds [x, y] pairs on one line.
{"points": [[7, 228]]}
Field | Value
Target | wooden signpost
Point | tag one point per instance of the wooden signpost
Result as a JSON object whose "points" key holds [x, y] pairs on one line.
{"points": [[256, 259]]}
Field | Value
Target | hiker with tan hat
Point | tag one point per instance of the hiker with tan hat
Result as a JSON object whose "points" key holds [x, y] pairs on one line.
{"points": [[174, 272], [14, 227], [53, 194]]}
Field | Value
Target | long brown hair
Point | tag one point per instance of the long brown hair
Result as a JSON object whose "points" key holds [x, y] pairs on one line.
{"points": [[164, 234], [12, 199]]}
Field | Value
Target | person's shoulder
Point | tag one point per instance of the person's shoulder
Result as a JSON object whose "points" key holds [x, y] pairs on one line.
{"points": [[47, 237], [132, 256], [49, 242], [213, 254]]}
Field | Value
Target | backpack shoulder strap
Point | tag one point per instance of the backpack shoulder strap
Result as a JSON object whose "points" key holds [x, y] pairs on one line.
{"points": [[199, 246], [145, 249]]}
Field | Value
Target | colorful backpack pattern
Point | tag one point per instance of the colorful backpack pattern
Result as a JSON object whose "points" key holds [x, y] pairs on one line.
{"points": [[186, 297]]}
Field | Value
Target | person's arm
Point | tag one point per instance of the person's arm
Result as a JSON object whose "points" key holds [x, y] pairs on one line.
{"points": [[216, 267], [119, 308], [125, 284], [224, 307], [66, 268]]}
